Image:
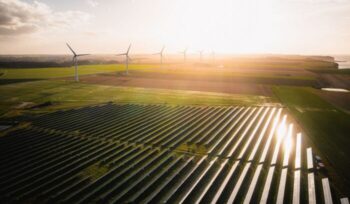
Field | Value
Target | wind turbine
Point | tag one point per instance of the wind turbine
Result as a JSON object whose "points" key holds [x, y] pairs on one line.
{"points": [[75, 61], [201, 55], [213, 55], [127, 58], [185, 55], [161, 54]]}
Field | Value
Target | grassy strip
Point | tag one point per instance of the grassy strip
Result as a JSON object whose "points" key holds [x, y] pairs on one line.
{"points": [[331, 71], [226, 73], [281, 63], [326, 126], [56, 72], [65, 94]]}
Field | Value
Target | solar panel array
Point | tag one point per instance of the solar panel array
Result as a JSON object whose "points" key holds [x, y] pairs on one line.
{"points": [[156, 153]]}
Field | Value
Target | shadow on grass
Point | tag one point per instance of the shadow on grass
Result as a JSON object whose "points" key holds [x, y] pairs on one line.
{"points": [[13, 81]]}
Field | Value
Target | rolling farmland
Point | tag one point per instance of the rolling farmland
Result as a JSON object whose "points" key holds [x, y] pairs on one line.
{"points": [[157, 153]]}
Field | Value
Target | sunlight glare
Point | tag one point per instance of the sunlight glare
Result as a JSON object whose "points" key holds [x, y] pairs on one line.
{"points": [[288, 143], [282, 129]]}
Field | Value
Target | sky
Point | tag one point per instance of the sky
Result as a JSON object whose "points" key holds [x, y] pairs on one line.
{"points": [[224, 26]]}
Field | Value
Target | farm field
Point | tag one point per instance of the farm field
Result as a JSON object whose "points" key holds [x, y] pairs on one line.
{"points": [[161, 153], [214, 71], [233, 67], [181, 83], [31, 97], [58, 72]]}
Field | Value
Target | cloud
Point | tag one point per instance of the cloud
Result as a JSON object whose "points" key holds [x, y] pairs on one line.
{"points": [[92, 3], [18, 17]]}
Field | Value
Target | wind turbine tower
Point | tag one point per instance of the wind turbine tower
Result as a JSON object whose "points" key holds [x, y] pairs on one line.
{"points": [[185, 55], [75, 61], [161, 55], [213, 55], [127, 58], [201, 55]]}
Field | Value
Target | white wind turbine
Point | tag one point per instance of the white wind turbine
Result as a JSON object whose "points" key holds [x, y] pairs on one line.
{"points": [[201, 55], [213, 55], [75, 61], [127, 58], [184, 54], [161, 55]]}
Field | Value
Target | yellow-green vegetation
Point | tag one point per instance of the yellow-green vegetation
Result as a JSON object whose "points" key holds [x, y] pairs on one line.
{"points": [[66, 94], [184, 148], [21, 125], [94, 172], [227, 73], [192, 149], [326, 126], [280, 63], [57, 72], [332, 71]]}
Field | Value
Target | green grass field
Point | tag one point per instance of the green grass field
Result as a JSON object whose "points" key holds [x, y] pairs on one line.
{"points": [[326, 126], [281, 63], [225, 74], [332, 71], [57, 72], [65, 94]]}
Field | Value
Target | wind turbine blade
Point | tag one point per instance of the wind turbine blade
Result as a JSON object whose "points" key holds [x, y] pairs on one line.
{"points": [[82, 55], [71, 49], [121, 54], [162, 50], [128, 49]]}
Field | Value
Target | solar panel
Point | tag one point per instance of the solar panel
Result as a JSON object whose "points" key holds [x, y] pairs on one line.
{"points": [[327, 191], [310, 163], [311, 188]]}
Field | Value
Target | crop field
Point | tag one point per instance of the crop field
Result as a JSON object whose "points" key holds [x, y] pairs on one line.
{"points": [[22, 98], [160, 153], [249, 69], [57, 72]]}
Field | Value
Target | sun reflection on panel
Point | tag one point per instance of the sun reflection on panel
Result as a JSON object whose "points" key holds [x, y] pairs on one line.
{"points": [[287, 145], [288, 142], [281, 131]]}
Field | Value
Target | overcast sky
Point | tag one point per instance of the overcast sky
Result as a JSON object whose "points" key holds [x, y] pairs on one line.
{"points": [[227, 26]]}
